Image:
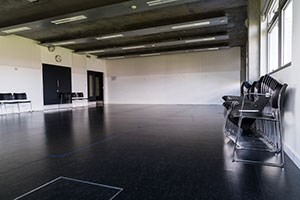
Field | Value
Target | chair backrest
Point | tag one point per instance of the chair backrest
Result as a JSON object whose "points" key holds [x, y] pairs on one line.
{"points": [[281, 95], [273, 87], [6, 96], [245, 87], [255, 88], [80, 94], [74, 94], [19, 96]]}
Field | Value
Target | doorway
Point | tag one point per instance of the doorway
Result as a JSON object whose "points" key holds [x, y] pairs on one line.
{"points": [[56, 84], [95, 86]]}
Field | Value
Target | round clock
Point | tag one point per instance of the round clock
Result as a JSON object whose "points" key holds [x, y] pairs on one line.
{"points": [[58, 58]]}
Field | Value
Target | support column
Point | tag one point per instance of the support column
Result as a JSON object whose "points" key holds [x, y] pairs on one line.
{"points": [[254, 39]]}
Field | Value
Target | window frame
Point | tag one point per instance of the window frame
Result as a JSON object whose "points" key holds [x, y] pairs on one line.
{"points": [[277, 18], [284, 6]]}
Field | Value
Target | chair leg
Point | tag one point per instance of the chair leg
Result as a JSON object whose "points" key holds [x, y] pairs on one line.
{"points": [[280, 138], [31, 107], [239, 133], [19, 108], [5, 108], [1, 105]]}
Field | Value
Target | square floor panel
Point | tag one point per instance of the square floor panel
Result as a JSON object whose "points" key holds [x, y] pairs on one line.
{"points": [[64, 188]]}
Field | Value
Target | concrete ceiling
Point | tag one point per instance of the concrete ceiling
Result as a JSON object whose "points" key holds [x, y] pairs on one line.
{"points": [[115, 17]]}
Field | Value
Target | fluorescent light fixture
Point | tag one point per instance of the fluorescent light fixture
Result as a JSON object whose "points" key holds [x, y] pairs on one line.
{"points": [[191, 25], [109, 37], [63, 43], [213, 49], [159, 2], [134, 47], [95, 51], [15, 30], [208, 49], [150, 54], [118, 57], [201, 40], [69, 19]]}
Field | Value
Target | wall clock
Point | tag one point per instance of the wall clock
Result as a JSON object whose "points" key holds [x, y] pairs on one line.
{"points": [[58, 58]]}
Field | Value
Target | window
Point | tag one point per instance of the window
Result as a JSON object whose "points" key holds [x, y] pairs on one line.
{"points": [[279, 18], [287, 19], [273, 47]]}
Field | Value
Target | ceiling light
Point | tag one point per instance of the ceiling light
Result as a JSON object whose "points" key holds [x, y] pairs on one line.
{"points": [[133, 7], [32, 1], [208, 49], [150, 54], [118, 57], [109, 37], [223, 21], [159, 2], [191, 25], [69, 19], [200, 40], [213, 49], [63, 43], [95, 51], [133, 47], [15, 30]]}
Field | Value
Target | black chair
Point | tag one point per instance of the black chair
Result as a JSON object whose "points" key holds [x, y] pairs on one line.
{"points": [[74, 94], [64, 97], [21, 98], [79, 98], [80, 94], [6, 96]]}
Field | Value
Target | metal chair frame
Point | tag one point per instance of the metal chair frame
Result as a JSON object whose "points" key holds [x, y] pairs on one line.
{"points": [[268, 125]]}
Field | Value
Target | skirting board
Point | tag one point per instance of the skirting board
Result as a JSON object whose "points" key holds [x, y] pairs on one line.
{"points": [[292, 155]]}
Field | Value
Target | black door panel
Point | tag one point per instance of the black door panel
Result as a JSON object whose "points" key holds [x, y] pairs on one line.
{"points": [[56, 79], [95, 86]]}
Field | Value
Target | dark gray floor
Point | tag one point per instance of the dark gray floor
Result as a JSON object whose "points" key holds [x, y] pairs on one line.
{"points": [[152, 152]]}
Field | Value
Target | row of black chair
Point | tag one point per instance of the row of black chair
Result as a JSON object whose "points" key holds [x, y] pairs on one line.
{"points": [[256, 114], [13, 98], [67, 97], [78, 97]]}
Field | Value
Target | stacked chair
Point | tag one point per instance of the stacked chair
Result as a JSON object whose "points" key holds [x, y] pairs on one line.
{"points": [[253, 121]]}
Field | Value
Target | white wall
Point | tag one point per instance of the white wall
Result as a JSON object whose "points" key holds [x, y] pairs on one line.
{"points": [[290, 75], [193, 78], [21, 68]]}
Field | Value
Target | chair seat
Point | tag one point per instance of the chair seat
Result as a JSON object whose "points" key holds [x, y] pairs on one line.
{"points": [[79, 98], [14, 101], [232, 98]]}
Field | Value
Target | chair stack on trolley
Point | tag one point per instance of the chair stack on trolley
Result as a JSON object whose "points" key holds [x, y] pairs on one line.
{"points": [[253, 122]]}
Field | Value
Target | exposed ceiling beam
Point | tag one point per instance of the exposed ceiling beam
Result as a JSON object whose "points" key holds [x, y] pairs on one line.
{"points": [[158, 45], [108, 11], [146, 31], [166, 53]]}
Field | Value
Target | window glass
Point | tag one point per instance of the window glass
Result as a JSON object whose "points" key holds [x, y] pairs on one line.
{"points": [[273, 47], [287, 19]]}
